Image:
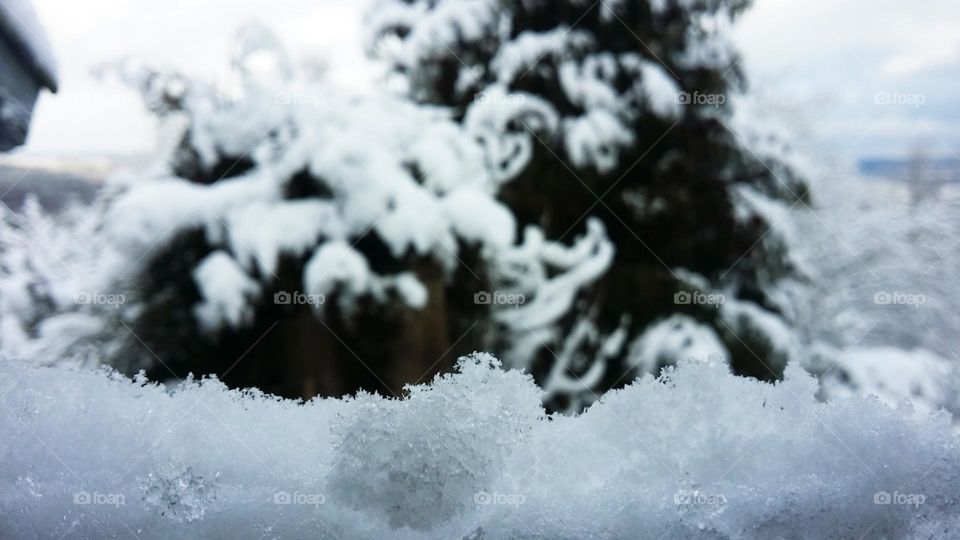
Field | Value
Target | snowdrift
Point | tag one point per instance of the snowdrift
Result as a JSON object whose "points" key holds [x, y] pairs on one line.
{"points": [[697, 453]]}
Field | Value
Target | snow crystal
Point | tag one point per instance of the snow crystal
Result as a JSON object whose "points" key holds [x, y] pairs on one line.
{"points": [[180, 495], [416, 461]]}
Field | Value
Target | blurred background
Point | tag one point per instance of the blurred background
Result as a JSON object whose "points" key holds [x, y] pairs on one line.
{"points": [[804, 57], [868, 111]]}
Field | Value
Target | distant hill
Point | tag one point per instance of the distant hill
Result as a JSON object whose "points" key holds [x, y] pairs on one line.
{"points": [[940, 170], [53, 187]]}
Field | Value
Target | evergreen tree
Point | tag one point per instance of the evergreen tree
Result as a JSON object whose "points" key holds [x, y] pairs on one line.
{"points": [[619, 110], [562, 187], [307, 241]]}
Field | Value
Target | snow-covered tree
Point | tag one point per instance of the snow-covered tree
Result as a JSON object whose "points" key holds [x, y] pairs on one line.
{"points": [[308, 241], [616, 116], [568, 187]]}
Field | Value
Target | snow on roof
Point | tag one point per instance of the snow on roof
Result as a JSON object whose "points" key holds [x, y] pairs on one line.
{"points": [[21, 28]]}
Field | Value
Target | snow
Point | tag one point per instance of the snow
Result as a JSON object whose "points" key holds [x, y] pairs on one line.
{"points": [[596, 139], [516, 57], [662, 92], [579, 265], [337, 266], [48, 266], [709, 45], [226, 292], [492, 118], [875, 249], [366, 165], [449, 23], [673, 340], [411, 290], [749, 321], [587, 84], [698, 453], [893, 376], [480, 219], [260, 232], [415, 461]]}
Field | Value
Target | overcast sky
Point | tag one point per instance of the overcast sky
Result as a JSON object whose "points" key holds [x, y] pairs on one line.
{"points": [[825, 62]]}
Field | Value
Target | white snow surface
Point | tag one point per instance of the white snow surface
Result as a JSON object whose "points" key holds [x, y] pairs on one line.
{"points": [[698, 453]]}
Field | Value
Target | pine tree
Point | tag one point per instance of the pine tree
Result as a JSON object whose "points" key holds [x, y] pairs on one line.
{"points": [[564, 186], [619, 110]]}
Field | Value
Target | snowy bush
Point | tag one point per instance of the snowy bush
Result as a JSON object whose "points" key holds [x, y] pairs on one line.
{"points": [[698, 453], [57, 300], [378, 212]]}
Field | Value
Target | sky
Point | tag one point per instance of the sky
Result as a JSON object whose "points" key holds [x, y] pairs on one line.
{"points": [[872, 78], [864, 78]]}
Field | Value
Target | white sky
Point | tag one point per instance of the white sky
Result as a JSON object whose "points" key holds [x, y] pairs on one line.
{"points": [[823, 60], [831, 58]]}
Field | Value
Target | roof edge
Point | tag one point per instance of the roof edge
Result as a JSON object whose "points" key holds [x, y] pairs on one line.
{"points": [[12, 34]]}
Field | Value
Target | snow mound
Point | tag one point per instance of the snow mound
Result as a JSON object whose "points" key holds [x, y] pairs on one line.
{"points": [[419, 461], [697, 453]]}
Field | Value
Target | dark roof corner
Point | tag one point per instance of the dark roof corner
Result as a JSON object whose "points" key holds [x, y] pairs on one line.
{"points": [[20, 30]]}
